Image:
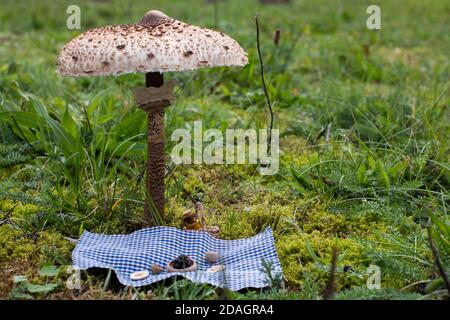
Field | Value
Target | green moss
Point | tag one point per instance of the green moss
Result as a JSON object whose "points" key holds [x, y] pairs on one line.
{"points": [[303, 252], [18, 210], [296, 150], [174, 212], [335, 224], [14, 245], [45, 246]]}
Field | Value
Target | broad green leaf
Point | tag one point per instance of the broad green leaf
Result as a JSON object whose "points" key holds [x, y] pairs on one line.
{"points": [[63, 139], [49, 271], [95, 101], [17, 294], [39, 108], [103, 118], [23, 118], [19, 279], [314, 158], [69, 125], [38, 288], [131, 125]]}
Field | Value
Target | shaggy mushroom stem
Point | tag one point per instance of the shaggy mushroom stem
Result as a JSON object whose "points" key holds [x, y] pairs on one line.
{"points": [[155, 150]]}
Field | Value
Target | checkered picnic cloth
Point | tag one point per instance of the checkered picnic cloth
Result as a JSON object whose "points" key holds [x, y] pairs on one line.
{"points": [[125, 254]]}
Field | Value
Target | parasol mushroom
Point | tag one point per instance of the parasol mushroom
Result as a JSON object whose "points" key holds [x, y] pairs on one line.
{"points": [[154, 45]]}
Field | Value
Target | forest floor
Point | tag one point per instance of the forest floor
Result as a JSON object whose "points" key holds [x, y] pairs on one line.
{"points": [[363, 117]]}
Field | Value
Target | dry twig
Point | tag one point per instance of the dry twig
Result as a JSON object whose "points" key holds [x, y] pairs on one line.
{"points": [[266, 93]]}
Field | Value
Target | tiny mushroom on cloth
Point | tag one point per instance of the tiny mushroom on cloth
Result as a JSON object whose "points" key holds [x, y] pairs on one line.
{"points": [[211, 256], [155, 44], [156, 269]]}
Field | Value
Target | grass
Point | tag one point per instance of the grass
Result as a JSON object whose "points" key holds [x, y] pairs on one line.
{"points": [[364, 165]]}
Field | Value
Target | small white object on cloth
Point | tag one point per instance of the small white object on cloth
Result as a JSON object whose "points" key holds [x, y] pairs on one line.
{"points": [[215, 269], [139, 275]]}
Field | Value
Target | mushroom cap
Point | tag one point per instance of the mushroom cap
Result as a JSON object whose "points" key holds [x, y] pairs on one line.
{"points": [[157, 43]]}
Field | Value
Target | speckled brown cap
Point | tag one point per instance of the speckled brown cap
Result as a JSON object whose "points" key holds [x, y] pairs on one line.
{"points": [[157, 43]]}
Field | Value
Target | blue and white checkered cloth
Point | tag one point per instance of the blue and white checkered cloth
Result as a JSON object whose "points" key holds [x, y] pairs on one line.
{"points": [[125, 254]]}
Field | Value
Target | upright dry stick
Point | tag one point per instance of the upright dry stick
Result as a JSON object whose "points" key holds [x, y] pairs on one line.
{"points": [[269, 103]]}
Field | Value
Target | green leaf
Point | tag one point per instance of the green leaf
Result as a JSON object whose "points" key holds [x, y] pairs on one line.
{"points": [[434, 285], [62, 138], [96, 100], [38, 288], [39, 108], [301, 180], [49, 271], [397, 169], [101, 119], [132, 125], [441, 224], [69, 125], [382, 175], [314, 158], [361, 175], [24, 120], [19, 279], [81, 229], [314, 256], [17, 294], [371, 162]]}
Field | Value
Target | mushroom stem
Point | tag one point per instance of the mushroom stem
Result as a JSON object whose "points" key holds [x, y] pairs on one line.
{"points": [[155, 152], [154, 79]]}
